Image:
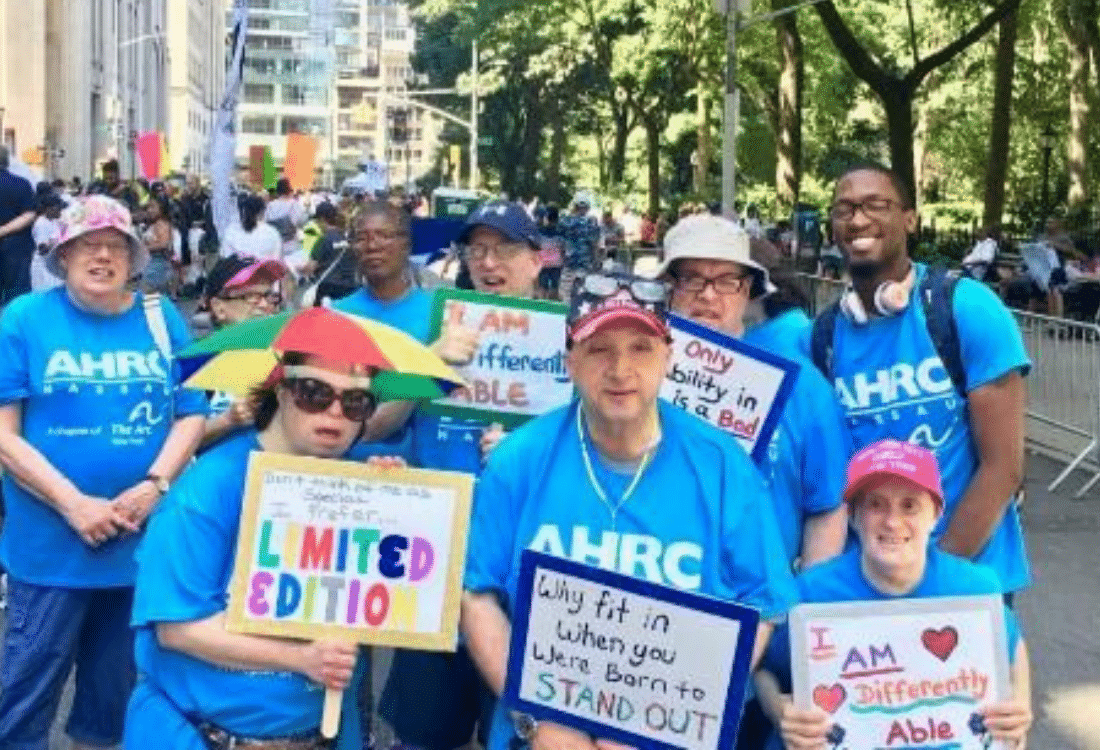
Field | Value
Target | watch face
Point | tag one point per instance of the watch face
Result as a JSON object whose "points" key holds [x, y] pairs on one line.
{"points": [[525, 726]]}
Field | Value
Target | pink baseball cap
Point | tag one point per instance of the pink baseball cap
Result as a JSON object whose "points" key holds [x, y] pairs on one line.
{"points": [[893, 458]]}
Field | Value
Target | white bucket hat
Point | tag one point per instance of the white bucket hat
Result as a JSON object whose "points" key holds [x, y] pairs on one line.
{"points": [[709, 237], [86, 215]]}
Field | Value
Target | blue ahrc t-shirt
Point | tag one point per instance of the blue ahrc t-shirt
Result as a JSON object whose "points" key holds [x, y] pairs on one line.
{"points": [[700, 518], [892, 384], [841, 579], [98, 402], [786, 334], [807, 458], [201, 513]]}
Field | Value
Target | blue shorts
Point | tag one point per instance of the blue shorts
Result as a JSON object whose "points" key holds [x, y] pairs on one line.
{"points": [[48, 631]]}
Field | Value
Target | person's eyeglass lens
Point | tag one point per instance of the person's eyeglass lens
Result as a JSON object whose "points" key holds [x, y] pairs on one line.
{"points": [[255, 298], [873, 208], [503, 252], [727, 283], [315, 396]]}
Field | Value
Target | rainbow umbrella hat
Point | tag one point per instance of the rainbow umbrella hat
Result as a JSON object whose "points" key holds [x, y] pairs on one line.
{"points": [[240, 357]]}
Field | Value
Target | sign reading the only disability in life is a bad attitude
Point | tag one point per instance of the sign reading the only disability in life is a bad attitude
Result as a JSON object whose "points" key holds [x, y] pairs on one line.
{"points": [[738, 388], [627, 660]]}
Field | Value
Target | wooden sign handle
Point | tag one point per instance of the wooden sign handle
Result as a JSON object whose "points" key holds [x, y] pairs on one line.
{"points": [[330, 715]]}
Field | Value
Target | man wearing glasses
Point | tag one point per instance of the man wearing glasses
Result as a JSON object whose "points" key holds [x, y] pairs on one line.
{"points": [[714, 282], [620, 480], [238, 288], [893, 380]]}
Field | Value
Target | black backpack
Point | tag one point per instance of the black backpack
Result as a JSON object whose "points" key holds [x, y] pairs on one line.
{"points": [[937, 294]]}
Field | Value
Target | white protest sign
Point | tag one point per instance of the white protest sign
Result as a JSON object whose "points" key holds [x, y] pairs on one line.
{"points": [[519, 369], [902, 674], [332, 549], [627, 660], [736, 387]]}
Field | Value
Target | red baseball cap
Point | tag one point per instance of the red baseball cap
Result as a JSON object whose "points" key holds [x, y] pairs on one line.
{"points": [[893, 458]]}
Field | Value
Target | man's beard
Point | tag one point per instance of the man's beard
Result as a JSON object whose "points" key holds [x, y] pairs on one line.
{"points": [[866, 270]]}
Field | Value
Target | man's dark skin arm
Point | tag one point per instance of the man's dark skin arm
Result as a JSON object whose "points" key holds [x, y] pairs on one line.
{"points": [[997, 427]]}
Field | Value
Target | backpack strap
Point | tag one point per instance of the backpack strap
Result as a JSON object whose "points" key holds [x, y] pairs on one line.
{"points": [[821, 340], [937, 295], [154, 318]]}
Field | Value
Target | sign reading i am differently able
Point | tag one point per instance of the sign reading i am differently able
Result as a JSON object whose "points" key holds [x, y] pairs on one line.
{"points": [[910, 673], [519, 369], [627, 660], [734, 386], [337, 550]]}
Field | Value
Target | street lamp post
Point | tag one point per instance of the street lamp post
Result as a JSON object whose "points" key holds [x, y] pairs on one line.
{"points": [[1046, 143], [119, 130], [733, 10]]}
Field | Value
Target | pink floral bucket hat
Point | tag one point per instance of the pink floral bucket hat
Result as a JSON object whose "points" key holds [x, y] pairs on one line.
{"points": [[86, 215]]}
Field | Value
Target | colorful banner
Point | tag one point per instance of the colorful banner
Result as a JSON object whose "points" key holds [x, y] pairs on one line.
{"points": [[149, 147], [270, 174], [223, 143], [256, 156], [738, 388], [519, 370], [627, 660], [909, 673], [301, 160], [333, 549]]}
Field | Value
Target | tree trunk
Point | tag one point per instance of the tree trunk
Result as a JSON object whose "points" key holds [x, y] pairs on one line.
{"points": [[996, 171], [617, 167], [532, 140], [557, 153], [1077, 143], [899, 119], [653, 143], [788, 142], [705, 144]]}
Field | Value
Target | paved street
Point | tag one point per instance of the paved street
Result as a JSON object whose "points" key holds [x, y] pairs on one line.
{"points": [[1059, 614]]}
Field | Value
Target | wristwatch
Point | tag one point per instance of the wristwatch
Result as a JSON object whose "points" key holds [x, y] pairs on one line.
{"points": [[525, 726], [161, 483]]}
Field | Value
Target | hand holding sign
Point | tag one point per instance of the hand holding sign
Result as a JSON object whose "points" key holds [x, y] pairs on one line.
{"points": [[457, 345]]}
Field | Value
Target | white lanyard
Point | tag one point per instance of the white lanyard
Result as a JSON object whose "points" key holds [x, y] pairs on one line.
{"points": [[613, 510]]}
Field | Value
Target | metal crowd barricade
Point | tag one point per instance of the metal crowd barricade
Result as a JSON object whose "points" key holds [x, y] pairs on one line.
{"points": [[820, 290], [1063, 388], [1064, 391]]}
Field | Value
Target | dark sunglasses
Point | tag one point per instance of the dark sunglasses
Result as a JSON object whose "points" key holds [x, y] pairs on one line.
{"points": [[314, 396]]}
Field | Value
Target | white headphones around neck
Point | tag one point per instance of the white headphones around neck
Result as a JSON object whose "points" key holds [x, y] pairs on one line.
{"points": [[891, 298]]}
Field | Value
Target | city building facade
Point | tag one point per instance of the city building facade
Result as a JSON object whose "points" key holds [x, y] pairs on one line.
{"points": [[196, 80]]}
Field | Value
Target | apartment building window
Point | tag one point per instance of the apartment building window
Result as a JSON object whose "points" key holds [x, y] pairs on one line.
{"points": [[259, 93], [264, 66], [259, 125]]}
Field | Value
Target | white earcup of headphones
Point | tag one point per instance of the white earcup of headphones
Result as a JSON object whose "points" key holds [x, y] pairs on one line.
{"points": [[891, 298]]}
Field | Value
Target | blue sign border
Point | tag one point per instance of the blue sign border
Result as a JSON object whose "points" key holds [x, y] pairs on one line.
{"points": [[747, 617], [786, 387]]}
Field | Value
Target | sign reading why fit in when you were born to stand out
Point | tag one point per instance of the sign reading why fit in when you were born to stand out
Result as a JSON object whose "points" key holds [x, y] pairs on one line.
{"points": [[334, 549], [627, 660], [902, 674]]}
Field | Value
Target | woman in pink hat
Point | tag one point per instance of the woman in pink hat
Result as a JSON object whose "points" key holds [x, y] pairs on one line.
{"points": [[895, 496], [93, 430]]}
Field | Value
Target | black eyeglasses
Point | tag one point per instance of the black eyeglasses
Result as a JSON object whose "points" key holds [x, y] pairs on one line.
{"points": [[873, 208], [727, 283], [255, 298], [314, 396], [643, 290]]}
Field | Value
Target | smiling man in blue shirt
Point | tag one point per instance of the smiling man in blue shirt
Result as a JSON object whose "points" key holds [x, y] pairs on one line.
{"points": [[892, 381]]}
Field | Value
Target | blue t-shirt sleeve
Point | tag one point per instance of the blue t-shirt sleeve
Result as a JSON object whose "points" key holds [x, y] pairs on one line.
{"points": [[755, 565], [188, 401], [492, 535], [826, 447], [14, 367], [988, 335], [184, 559]]}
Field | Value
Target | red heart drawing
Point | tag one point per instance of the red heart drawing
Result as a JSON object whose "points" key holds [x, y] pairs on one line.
{"points": [[829, 698], [941, 643]]}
